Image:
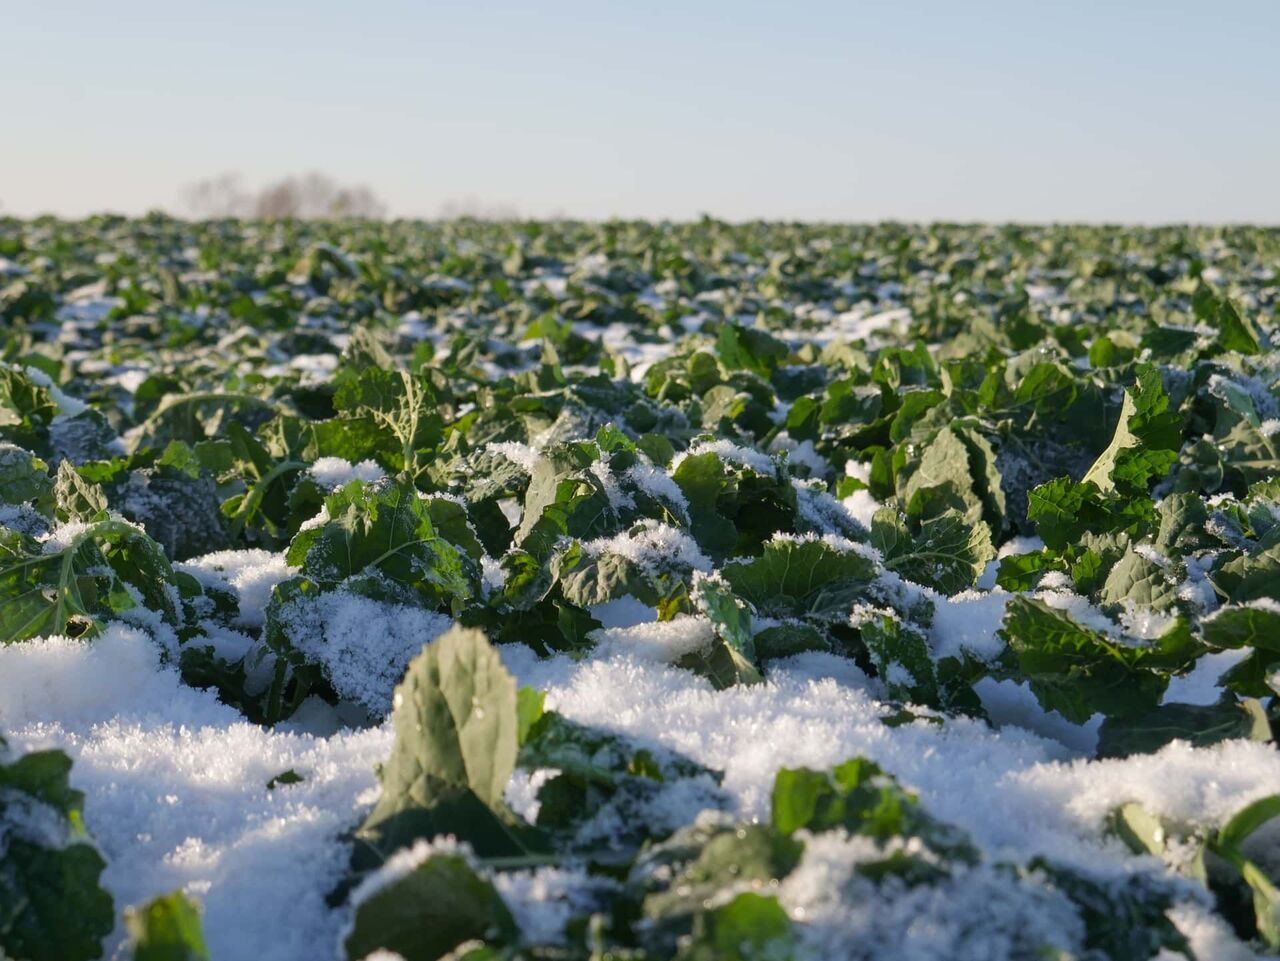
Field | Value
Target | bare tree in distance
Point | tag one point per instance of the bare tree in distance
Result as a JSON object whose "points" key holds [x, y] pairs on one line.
{"points": [[474, 208], [222, 196], [313, 196]]}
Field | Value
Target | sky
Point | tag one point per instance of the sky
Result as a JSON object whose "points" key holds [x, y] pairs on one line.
{"points": [[1123, 111]]}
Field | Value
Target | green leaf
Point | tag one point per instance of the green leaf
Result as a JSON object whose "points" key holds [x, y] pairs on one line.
{"points": [[26, 408], [1137, 827], [1200, 725], [861, 798], [77, 499], [1146, 442], [747, 348], [24, 478], [52, 907], [947, 553], [1247, 820], [167, 929], [1077, 671], [1244, 625], [1138, 580], [806, 577], [1124, 919], [734, 509], [730, 618], [943, 467], [457, 730], [384, 413], [751, 927], [389, 529], [285, 778], [530, 706], [102, 570], [1249, 576], [1234, 331], [423, 915], [901, 656], [1064, 510], [690, 879]]}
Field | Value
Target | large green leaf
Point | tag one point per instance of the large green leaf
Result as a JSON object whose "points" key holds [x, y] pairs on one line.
{"points": [[1076, 670], [946, 553], [804, 577], [456, 726], [99, 571], [52, 907], [426, 913], [1146, 441]]}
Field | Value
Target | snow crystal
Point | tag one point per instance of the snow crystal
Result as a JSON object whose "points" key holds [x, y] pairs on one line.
{"points": [[823, 512], [520, 454], [63, 536], [652, 546], [1200, 684], [24, 519], [618, 498], [81, 682], [968, 621], [176, 795], [802, 453], [662, 641], [733, 453], [978, 914], [543, 901], [1144, 622], [658, 484], [332, 473], [861, 507], [362, 645], [249, 574], [492, 575]]}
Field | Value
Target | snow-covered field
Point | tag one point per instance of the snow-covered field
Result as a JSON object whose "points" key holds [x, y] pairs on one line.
{"points": [[1020, 555]]}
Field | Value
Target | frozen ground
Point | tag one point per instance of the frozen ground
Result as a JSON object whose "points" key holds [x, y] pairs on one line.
{"points": [[177, 793]]}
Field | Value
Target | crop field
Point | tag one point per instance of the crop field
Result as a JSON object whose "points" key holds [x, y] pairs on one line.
{"points": [[630, 591]]}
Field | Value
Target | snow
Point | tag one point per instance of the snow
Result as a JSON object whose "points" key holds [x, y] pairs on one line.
{"points": [[658, 484], [659, 641], [520, 454], [861, 506], [1200, 684], [249, 574], [978, 914], [968, 621], [542, 901], [653, 547], [176, 796], [334, 472], [816, 712], [733, 454], [625, 611], [363, 645], [176, 787]]}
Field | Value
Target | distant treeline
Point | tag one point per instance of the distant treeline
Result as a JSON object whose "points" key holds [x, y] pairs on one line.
{"points": [[312, 196]]}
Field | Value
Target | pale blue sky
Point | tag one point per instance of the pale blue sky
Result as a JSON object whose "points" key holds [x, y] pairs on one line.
{"points": [[1122, 111]]}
